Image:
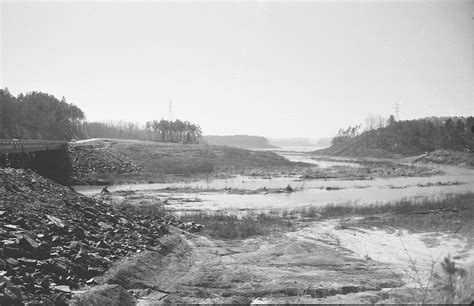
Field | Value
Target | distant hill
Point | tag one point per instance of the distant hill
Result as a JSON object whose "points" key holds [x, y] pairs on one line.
{"points": [[301, 142], [407, 138], [239, 141]]}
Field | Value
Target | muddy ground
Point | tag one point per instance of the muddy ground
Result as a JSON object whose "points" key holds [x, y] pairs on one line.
{"points": [[322, 262], [275, 269], [381, 257], [116, 161]]}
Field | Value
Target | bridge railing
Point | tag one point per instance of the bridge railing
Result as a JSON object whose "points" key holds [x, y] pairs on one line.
{"points": [[8, 146]]}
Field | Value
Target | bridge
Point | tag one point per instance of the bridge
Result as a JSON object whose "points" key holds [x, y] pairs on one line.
{"points": [[9, 146], [49, 158]]}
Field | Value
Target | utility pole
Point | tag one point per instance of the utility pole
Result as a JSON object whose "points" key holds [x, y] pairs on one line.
{"points": [[170, 111]]}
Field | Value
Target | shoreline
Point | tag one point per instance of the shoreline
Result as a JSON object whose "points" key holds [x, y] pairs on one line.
{"points": [[296, 239]]}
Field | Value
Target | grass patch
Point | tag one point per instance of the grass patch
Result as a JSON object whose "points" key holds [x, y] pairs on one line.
{"points": [[225, 226], [195, 158], [164, 162], [451, 213], [453, 203]]}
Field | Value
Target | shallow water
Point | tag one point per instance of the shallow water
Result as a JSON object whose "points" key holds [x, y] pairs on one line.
{"points": [[214, 195], [306, 158]]}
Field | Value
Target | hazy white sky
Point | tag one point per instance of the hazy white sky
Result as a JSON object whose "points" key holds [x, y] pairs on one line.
{"points": [[277, 69]]}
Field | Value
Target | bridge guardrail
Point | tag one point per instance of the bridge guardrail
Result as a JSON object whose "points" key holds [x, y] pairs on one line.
{"points": [[8, 146]]}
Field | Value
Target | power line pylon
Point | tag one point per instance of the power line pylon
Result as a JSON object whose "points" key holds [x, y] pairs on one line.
{"points": [[397, 110], [170, 111]]}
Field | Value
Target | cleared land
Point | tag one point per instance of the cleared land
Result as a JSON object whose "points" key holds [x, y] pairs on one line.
{"points": [[365, 255], [392, 253], [146, 161]]}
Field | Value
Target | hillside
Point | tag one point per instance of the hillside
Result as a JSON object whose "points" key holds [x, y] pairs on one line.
{"points": [[463, 159], [106, 161], [239, 141], [407, 138]]}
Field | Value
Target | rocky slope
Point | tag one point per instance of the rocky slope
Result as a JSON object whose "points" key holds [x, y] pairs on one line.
{"points": [[54, 240], [91, 160]]}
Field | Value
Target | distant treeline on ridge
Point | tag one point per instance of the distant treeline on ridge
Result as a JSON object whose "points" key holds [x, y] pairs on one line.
{"points": [[37, 115], [173, 131], [410, 137]]}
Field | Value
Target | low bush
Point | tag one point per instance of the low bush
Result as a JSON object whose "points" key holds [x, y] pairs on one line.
{"points": [[225, 226]]}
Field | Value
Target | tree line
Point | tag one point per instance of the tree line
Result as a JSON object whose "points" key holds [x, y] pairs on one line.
{"points": [[173, 131], [414, 136], [119, 129], [372, 122], [38, 115]]}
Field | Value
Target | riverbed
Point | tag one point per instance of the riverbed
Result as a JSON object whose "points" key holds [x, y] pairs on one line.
{"points": [[330, 254], [258, 193]]}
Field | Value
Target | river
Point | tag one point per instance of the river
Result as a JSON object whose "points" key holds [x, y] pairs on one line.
{"points": [[213, 194]]}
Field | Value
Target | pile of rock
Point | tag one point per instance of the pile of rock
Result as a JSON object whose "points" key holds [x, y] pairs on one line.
{"points": [[97, 159], [54, 240], [191, 227]]}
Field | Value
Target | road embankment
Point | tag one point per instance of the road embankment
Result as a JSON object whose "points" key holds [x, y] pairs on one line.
{"points": [[54, 240]]}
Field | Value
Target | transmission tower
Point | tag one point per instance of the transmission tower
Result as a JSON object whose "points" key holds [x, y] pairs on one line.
{"points": [[170, 111], [397, 110]]}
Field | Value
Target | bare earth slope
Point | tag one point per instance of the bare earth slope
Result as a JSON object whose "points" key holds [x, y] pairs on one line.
{"points": [[279, 268], [329, 261], [462, 159]]}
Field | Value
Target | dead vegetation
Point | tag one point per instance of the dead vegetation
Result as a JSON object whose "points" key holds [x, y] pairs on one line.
{"points": [[452, 213], [168, 162], [226, 226], [447, 213], [463, 159]]}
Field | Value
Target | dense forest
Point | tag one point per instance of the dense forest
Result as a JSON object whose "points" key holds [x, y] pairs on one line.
{"points": [[37, 115], [122, 130], [240, 141], [409, 137], [162, 131]]}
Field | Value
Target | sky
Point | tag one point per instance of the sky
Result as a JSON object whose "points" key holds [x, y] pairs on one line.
{"points": [[276, 69]]}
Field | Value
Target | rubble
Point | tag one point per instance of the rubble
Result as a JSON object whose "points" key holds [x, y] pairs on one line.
{"points": [[54, 240], [191, 227], [92, 159]]}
